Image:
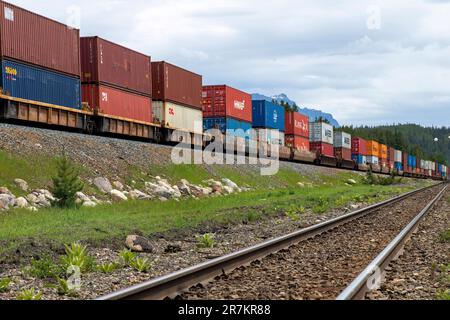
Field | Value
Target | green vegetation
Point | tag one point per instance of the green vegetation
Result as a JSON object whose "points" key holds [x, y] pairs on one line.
{"points": [[76, 256], [206, 241], [126, 256], [29, 294], [141, 264], [64, 288], [443, 295], [44, 268], [108, 267], [372, 179], [445, 236], [4, 284], [66, 184], [410, 138]]}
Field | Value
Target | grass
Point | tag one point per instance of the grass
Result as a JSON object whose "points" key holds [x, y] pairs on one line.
{"points": [[445, 236]]}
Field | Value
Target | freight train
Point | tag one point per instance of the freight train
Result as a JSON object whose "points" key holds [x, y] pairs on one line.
{"points": [[52, 76]]}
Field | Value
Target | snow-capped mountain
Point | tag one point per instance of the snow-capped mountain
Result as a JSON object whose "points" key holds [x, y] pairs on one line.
{"points": [[311, 113]]}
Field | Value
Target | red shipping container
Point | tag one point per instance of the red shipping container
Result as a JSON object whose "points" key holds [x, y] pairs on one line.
{"points": [[34, 39], [224, 101], [105, 62], [174, 84], [113, 102], [297, 142], [391, 154], [321, 148], [359, 146], [297, 124], [405, 161], [343, 153]]}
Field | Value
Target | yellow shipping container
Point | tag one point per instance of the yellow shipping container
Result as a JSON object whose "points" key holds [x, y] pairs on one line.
{"points": [[373, 148], [383, 151]]}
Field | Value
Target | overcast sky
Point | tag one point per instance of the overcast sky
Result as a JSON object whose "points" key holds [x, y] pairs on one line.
{"points": [[366, 62]]}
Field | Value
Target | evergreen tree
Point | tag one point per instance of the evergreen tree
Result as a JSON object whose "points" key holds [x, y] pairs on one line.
{"points": [[66, 184]]}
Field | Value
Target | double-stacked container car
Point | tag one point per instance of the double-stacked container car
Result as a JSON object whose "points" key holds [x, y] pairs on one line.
{"points": [[40, 75], [297, 136], [117, 87], [383, 157], [177, 102], [321, 137], [359, 153], [373, 151], [343, 149]]}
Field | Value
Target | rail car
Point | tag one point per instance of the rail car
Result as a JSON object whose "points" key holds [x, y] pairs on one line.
{"points": [[24, 112]]}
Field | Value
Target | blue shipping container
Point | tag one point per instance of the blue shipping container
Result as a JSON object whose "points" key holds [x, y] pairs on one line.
{"points": [[32, 83], [268, 115], [228, 125], [398, 166], [359, 159], [412, 162]]}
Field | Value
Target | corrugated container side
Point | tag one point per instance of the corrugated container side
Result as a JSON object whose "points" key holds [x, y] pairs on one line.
{"points": [[359, 159], [398, 156], [342, 140], [343, 153], [373, 160], [227, 124], [174, 84], [118, 103], [373, 148], [270, 136], [321, 132], [41, 85], [383, 152], [321, 148], [178, 117], [359, 146], [34, 39], [391, 155], [224, 101], [297, 124], [268, 115], [297, 142], [105, 62]]}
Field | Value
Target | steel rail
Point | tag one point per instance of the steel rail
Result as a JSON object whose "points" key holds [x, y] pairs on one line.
{"points": [[372, 276], [175, 283]]}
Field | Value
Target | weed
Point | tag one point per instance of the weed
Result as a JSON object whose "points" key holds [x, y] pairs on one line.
{"points": [[44, 268], [4, 284], [29, 294], [293, 213], [443, 295], [206, 241], [64, 288], [445, 236], [76, 255], [141, 264], [107, 267], [126, 256]]}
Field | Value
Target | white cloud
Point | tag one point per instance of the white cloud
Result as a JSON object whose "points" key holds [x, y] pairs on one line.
{"points": [[320, 53]]}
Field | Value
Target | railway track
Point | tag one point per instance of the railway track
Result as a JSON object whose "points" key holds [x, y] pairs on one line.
{"points": [[314, 263]]}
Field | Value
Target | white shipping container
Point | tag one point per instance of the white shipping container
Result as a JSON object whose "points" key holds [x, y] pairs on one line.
{"points": [[179, 117], [422, 164], [342, 140], [398, 156], [373, 160], [321, 132]]}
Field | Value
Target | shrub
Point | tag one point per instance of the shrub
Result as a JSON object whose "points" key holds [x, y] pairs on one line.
{"points": [[66, 184]]}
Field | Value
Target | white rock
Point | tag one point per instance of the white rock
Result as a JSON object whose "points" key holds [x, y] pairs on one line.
{"points": [[118, 185], [137, 195], [351, 181], [42, 201], [103, 184], [89, 204], [21, 184], [82, 196], [47, 194], [7, 201], [118, 196], [301, 184], [228, 190], [21, 202], [32, 198], [32, 209], [4, 190]]}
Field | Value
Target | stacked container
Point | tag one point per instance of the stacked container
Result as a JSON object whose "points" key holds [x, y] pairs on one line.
{"points": [[230, 107], [405, 162], [398, 160], [373, 150], [116, 80], [40, 58], [359, 150], [297, 131], [343, 146], [177, 97], [391, 158], [383, 155], [322, 138], [269, 121]]}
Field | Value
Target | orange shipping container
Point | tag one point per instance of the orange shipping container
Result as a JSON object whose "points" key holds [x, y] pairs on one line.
{"points": [[383, 152], [373, 148]]}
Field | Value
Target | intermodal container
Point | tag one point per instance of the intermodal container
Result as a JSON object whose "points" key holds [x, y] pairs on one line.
{"points": [[178, 117], [297, 124], [343, 153], [373, 160], [383, 151], [321, 148], [297, 142], [268, 115], [34, 39], [321, 132], [405, 162], [228, 126], [359, 146], [398, 166], [343, 140], [373, 148], [359, 159], [177, 85], [117, 103], [412, 162], [226, 102], [270, 136], [28, 82], [391, 155], [398, 156], [108, 63]]}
